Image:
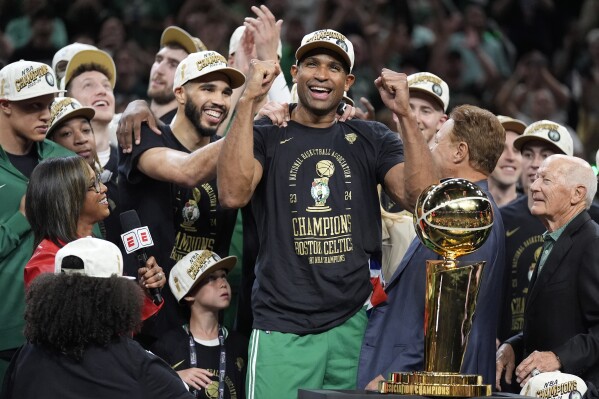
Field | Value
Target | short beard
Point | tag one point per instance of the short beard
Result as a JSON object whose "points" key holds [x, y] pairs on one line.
{"points": [[193, 114], [162, 97]]}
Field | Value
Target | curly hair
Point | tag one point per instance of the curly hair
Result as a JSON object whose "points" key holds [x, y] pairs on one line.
{"points": [[55, 196], [67, 313]]}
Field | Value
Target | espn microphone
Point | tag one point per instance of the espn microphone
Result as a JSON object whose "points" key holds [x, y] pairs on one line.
{"points": [[135, 239]]}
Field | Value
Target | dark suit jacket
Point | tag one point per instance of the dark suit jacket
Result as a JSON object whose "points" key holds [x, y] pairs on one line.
{"points": [[562, 306], [394, 338]]}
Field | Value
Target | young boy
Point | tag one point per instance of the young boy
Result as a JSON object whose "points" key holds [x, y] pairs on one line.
{"points": [[209, 358]]}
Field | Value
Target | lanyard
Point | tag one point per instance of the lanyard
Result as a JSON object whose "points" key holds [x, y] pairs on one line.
{"points": [[193, 360]]}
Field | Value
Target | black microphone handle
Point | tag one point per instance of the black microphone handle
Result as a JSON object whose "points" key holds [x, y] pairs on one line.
{"points": [[142, 258]]}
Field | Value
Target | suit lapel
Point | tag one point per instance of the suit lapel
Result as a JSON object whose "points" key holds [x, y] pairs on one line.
{"points": [[414, 248], [556, 257]]}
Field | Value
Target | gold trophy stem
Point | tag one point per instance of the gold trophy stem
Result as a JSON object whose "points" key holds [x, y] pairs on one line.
{"points": [[451, 292]]}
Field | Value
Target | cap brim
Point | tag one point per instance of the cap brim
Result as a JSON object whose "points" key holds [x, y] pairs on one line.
{"points": [[520, 141], [227, 263], [174, 34], [84, 57], [429, 95], [236, 78], [33, 95], [514, 125], [299, 54], [85, 112]]}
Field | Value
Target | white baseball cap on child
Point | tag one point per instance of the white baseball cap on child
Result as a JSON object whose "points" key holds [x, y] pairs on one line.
{"points": [[195, 267], [22, 80], [202, 63], [65, 108]]}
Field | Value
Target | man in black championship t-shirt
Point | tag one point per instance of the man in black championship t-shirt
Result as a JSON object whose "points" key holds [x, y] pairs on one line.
{"points": [[313, 191], [170, 178]]}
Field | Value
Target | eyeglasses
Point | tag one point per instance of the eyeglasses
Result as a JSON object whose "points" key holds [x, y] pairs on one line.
{"points": [[96, 185]]}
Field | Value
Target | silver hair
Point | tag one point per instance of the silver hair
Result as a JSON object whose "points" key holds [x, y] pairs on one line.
{"points": [[577, 171]]}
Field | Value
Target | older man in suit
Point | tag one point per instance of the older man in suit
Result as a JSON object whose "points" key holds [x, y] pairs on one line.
{"points": [[561, 317]]}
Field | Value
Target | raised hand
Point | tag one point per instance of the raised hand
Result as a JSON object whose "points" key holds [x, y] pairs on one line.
{"points": [[393, 88]]}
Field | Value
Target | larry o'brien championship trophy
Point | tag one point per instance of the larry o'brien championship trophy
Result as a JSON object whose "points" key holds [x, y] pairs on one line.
{"points": [[452, 218]]}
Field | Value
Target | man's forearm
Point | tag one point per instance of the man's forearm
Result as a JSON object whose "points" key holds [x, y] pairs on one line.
{"points": [[236, 161]]}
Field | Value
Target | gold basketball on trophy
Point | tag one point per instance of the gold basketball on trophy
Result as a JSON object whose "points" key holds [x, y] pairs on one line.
{"points": [[453, 218]]}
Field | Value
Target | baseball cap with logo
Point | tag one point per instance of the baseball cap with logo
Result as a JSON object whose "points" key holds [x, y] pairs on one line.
{"points": [[431, 84], [202, 63], [549, 132], [329, 39], [22, 80], [555, 385], [65, 108], [174, 34], [195, 267], [236, 39], [91, 256], [90, 56], [515, 125], [63, 56]]}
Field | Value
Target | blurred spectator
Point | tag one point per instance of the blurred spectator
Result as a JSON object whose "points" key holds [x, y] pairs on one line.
{"points": [[588, 126], [39, 47], [112, 35], [530, 24], [516, 95], [20, 30], [481, 51], [131, 77]]}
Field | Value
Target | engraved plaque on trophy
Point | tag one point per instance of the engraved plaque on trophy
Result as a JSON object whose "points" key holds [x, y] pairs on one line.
{"points": [[453, 218]]}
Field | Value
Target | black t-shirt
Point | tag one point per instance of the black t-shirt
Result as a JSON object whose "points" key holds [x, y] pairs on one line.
{"points": [[25, 163], [173, 347], [180, 219], [168, 117], [122, 369], [318, 218]]}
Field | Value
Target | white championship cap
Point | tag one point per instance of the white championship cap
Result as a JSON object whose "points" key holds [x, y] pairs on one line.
{"points": [[202, 63], [65, 108], [22, 80], [432, 85], [96, 258], [236, 38], [555, 385], [195, 267], [549, 132], [329, 39]]}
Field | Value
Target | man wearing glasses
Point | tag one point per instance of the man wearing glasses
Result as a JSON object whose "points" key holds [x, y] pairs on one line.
{"points": [[26, 92]]}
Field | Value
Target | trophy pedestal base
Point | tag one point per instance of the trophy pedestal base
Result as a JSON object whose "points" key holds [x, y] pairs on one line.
{"points": [[435, 384]]}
